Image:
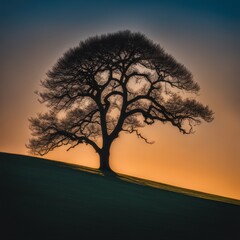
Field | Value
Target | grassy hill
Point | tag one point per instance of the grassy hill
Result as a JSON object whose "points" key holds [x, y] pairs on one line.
{"points": [[42, 199]]}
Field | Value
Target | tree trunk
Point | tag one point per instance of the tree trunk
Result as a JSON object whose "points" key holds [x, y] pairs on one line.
{"points": [[104, 160]]}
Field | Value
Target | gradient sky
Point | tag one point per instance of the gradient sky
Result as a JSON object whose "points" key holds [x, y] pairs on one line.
{"points": [[203, 35]]}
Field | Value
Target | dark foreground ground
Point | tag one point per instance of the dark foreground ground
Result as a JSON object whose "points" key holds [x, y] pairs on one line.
{"points": [[50, 200]]}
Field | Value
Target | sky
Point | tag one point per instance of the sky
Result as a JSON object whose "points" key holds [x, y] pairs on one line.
{"points": [[203, 35]]}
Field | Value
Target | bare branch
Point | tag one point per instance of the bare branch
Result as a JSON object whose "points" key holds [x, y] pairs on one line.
{"points": [[139, 135]]}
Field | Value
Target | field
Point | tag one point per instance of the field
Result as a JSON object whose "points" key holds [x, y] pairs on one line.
{"points": [[42, 199]]}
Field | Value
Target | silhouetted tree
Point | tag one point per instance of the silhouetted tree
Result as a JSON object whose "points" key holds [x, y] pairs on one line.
{"points": [[112, 83]]}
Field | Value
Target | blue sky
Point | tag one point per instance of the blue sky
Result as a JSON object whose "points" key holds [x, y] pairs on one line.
{"points": [[183, 25]]}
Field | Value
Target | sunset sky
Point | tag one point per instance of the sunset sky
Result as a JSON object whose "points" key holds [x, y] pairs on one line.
{"points": [[204, 35]]}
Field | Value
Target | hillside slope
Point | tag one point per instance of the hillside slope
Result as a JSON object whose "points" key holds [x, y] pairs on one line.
{"points": [[43, 199]]}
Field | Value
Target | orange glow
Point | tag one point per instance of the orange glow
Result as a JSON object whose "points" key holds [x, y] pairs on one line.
{"points": [[198, 161]]}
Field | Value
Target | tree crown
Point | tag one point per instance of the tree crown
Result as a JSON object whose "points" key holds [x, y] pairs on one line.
{"points": [[112, 83]]}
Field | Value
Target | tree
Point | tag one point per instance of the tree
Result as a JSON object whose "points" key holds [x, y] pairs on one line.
{"points": [[112, 83]]}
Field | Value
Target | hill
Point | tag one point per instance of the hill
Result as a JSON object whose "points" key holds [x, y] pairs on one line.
{"points": [[42, 199]]}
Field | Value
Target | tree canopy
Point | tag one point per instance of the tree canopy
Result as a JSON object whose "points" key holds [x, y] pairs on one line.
{"points": [[112, 83]]}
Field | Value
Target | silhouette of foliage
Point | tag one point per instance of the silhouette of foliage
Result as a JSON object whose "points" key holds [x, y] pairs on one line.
{"points": [[112, 83]]}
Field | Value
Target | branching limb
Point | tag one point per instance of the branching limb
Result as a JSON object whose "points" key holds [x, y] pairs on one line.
{"points": [[139, 135]]}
